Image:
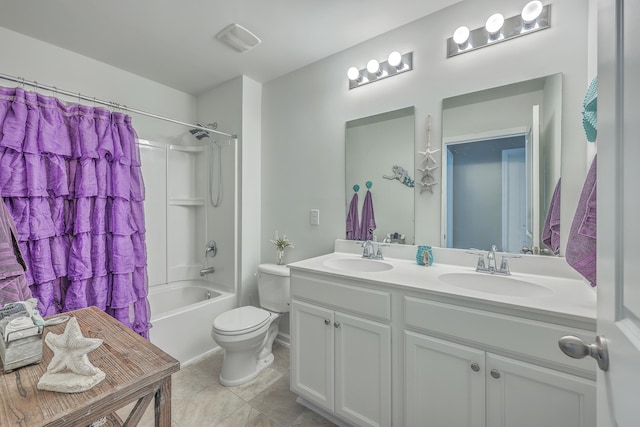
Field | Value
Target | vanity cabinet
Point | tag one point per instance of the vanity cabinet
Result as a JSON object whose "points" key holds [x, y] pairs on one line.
{"points": [[405, 352], [451, 383], [341, 350], [456, 385]]}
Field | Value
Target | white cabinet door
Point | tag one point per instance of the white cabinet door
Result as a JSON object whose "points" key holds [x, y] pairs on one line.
{"points": [[444, 383], [363, 370], [523, 395], [312, 365]]}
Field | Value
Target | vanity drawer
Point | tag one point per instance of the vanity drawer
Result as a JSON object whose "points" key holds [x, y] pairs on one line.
{"points": [[354, 299], [525, 339]]}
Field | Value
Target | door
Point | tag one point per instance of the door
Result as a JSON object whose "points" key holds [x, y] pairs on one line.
{"points": [[444, 383], [523, 395], [532, 147], [619, 210], [363, 370], [514, 201], [312, 357]]}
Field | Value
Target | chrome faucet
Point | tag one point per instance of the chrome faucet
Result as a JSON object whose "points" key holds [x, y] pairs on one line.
{"points": [[491, 266], [207, 270], [491, 259], [368, 250]]}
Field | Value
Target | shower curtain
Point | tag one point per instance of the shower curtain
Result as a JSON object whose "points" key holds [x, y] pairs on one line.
{"points": [[71, 178]]}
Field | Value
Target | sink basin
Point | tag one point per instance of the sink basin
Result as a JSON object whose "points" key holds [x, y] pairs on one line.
{"points": [[491, 284], [359, 265]]}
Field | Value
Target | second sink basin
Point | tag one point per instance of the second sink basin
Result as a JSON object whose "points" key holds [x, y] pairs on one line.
{"points": [[492, 284], [359, 265]]}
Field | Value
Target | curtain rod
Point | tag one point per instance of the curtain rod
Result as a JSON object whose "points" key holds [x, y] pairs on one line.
{"points": [[22, 81]]}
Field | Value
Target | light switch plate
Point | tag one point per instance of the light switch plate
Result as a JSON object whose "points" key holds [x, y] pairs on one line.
{"points": [[315, 216]]}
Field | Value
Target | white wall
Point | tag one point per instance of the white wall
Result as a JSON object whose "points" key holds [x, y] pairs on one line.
{"points": [[305, 111], [236, 107], [50, 65]]}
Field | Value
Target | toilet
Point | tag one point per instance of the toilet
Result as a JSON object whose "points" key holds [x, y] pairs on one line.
{"points": [[247, 333]]}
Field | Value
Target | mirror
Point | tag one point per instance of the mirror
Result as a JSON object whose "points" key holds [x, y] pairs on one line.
{"points": [[500, 165], [380, 149]]}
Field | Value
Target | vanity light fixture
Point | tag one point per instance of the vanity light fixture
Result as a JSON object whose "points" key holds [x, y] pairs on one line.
{"points": [[534, 17], [530, 14], [396, 63], [461, 37], [494, 27]]}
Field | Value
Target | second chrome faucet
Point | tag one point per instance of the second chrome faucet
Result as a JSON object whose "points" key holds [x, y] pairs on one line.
{"points": [[491, 265]]}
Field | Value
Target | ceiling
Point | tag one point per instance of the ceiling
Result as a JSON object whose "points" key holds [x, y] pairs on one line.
{"points": [[173, 42]]}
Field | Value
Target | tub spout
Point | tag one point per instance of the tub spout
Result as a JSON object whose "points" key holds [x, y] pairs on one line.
{"points": [[207, 270]]}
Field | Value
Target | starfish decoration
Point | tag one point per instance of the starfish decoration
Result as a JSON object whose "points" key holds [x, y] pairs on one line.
{"points": [[70, 351], [427, 186], [428, 169]]}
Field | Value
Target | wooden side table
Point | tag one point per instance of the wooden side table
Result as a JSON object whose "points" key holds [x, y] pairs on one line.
{"points": [[135, 369]]}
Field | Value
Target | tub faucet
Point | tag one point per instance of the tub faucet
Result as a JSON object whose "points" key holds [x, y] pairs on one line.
{"points": [[207, 270]]}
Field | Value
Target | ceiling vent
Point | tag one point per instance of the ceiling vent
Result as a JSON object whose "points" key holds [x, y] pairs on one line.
{"points": [[238, 37]]}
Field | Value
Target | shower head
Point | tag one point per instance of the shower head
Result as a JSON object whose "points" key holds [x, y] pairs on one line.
{"points": [[199, 133]]}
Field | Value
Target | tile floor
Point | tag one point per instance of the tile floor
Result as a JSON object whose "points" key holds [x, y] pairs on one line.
{"points": [[198, 399]]}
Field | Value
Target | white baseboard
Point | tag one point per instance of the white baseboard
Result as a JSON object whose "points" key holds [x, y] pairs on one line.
{"points": [[284, 339]]}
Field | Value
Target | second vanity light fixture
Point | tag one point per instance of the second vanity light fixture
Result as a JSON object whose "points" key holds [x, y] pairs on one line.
{"points": [[395, 64], [534, 17]]}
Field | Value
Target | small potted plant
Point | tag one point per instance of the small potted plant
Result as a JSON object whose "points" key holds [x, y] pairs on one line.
{"points": [[281, 243]]}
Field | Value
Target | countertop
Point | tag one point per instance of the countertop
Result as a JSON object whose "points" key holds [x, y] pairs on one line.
{"points": [[571, 302]]}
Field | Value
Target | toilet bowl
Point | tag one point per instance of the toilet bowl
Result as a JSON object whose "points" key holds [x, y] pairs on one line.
{"points": [[246, 334]]}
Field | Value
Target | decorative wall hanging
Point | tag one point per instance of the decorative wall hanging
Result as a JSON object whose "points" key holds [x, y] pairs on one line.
{"points": [[401, 175], [428, 164]]}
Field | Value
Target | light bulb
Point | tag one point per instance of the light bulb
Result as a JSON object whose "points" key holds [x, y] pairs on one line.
{"points": [[394, 59], [494, 23], [531, 11], [353, 73], [373, 66], [461, 35]]}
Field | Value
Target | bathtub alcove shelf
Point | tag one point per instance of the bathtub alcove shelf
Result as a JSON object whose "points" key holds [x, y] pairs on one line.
{"points": [[186, 202], [186, 211]]}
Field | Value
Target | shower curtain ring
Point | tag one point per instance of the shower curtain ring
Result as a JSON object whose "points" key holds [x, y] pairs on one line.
{"points": [[37, 86], [55, 91]]}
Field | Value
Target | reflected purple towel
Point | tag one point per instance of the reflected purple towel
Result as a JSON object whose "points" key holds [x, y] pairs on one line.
{"points": [[551, 229], [581, 244], [368, 218], [353, 224]]}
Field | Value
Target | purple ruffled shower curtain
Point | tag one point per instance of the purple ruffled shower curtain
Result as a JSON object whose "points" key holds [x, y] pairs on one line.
{"points": [[71, 178]]}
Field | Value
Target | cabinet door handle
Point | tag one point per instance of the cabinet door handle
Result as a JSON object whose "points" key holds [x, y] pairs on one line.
{"points": [[327, 321], [336, 324], [475, 367], [495, 373]]}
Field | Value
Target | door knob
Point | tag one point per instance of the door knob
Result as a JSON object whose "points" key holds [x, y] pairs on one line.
{"points": [[475, 367], [336, 324], [576, 348], [327, 321]]}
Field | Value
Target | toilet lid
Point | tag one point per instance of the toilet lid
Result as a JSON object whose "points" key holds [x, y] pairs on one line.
{"points": [[241, 320]]}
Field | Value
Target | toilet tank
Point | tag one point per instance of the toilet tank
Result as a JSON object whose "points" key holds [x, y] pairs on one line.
{"points": [[273, 287]]}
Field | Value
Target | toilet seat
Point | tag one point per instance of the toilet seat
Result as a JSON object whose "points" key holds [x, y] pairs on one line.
{"points": [[241, 320]]}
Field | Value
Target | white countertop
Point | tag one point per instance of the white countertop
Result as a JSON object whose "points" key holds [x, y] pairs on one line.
{"points": [[571, 300]]}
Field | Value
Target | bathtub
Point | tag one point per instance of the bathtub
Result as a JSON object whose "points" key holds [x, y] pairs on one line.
{"points": [[182, 315]]}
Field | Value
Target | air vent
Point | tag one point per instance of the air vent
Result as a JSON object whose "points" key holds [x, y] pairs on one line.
{"points": [[238, 37]]}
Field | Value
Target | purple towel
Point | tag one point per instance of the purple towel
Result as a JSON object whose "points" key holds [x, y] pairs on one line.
{"points": [[581, 244], [353, 225], [551, 229], [368, 218]]}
